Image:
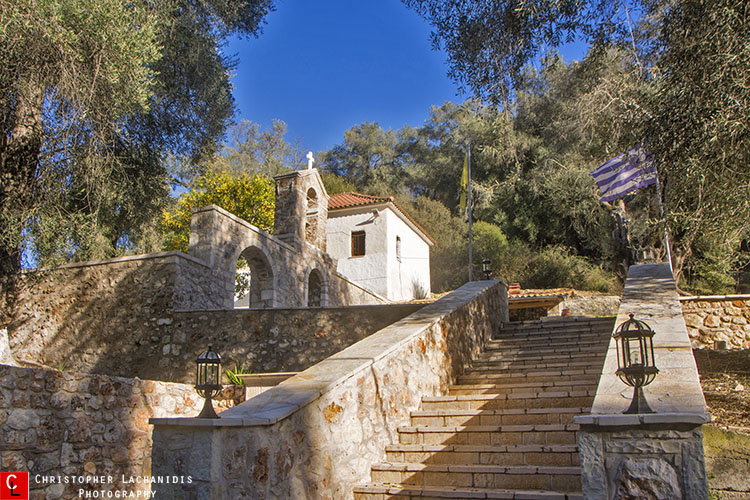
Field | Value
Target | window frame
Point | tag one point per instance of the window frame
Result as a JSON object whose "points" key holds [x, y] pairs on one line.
{"points": [[358, 236]]}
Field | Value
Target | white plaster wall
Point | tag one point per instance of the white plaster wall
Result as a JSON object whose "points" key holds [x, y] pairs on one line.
{"points": [[370, 270], [408, 278], [379, 269]]}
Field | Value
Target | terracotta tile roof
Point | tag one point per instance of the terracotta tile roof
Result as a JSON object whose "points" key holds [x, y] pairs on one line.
{"points": [[352, 200], [348, 200]]}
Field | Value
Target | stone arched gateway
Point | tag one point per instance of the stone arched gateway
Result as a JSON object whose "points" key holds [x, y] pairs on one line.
{"points": [[261, 292]]}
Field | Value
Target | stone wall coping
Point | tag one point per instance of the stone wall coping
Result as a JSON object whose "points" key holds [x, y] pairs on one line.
{"points": [[302, 389], [642, 419], [714, 297], [128, 258], [241, 310], [650, 294], [243, 223]]}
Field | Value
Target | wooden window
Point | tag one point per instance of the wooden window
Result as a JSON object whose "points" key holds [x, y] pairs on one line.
{"points": [[358, 243]]}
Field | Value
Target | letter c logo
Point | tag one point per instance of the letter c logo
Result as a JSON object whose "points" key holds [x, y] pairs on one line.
{"points": [[8, 482]]}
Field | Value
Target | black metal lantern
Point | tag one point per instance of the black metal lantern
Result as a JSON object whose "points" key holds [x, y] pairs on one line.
{"points": [[635, 360], [486, 268], [208, 380]]}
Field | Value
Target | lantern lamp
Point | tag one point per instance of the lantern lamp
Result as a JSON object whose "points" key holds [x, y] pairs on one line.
{"points": [[635, 360], [486, 268], [207, 380]]}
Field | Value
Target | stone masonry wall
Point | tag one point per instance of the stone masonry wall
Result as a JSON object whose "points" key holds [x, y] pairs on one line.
{"points": [[72, 424], [316, 434], [64, 314], [116, 319], [709, 319]]}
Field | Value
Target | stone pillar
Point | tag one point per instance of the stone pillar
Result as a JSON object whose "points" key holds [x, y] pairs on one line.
{"points": [[657, 455]]}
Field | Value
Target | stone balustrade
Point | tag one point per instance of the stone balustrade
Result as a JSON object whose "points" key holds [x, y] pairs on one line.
{"points": [[316, 434], [658, 455]]}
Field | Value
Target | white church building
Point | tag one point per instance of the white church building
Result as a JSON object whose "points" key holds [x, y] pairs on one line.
{"points": [[379, 246]]}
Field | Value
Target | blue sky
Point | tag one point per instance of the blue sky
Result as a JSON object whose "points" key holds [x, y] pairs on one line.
{"points": [[325, 66]]}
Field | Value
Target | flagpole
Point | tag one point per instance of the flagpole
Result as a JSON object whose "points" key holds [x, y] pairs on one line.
{"points": [[468, 198]]}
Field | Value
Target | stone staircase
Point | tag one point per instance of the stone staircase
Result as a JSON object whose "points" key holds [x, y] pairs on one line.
{"points": [[506, 429]]}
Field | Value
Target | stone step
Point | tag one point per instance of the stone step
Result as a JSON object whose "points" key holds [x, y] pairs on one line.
{"points": [[506, 388], [559, 322], [407, 492], [563, 455], [530, 356], [539, 379], [510, 416], [545, 343], [507, 401], [557, 326], [544, 349], [486, 371], [478, 365], [479, 476], [542, 434], [519, 338]]}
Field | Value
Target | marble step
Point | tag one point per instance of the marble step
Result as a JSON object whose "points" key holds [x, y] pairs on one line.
{"points": [[541, 434], [542, 348], [564, 455]]}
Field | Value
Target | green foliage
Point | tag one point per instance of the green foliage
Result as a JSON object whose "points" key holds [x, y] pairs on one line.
{"points": [[231, 375], [556, 267], [249, 197], [94, 95], [335, 184], [253, 151]]}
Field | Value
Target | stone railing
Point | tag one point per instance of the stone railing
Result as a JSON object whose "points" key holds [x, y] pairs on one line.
{"points": [[659, 455], [715, 318], [316, 434]]}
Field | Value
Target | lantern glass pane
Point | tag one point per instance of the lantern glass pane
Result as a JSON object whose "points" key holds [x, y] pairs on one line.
{"points": [[635, 351]]}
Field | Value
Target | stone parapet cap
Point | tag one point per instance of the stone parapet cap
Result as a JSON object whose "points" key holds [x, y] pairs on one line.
{"points": [[304, 388], [173, 255], [650, 294], [622, 420], [714, 297]]}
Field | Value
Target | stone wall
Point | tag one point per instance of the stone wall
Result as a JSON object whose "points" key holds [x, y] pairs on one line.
{"points": [[714, 318], [116, 319], [72, 424], [66, 314], [591, 305], [316, 434], [660, 454]]}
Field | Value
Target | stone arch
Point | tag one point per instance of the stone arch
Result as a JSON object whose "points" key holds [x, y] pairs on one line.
{"points": [[261, 293], [317, 289]]}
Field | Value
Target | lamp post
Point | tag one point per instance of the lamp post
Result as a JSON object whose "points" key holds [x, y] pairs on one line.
{"points": [[635, 360], [486, 268], [207, 383]]}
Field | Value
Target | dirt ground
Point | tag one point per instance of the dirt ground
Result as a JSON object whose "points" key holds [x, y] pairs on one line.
{"points": [[725, 378]]}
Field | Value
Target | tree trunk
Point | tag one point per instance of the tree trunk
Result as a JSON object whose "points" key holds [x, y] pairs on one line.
{"points": [[20, 149]]}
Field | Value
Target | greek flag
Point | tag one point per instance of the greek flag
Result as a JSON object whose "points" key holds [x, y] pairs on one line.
{"points": [[624, 173]]}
